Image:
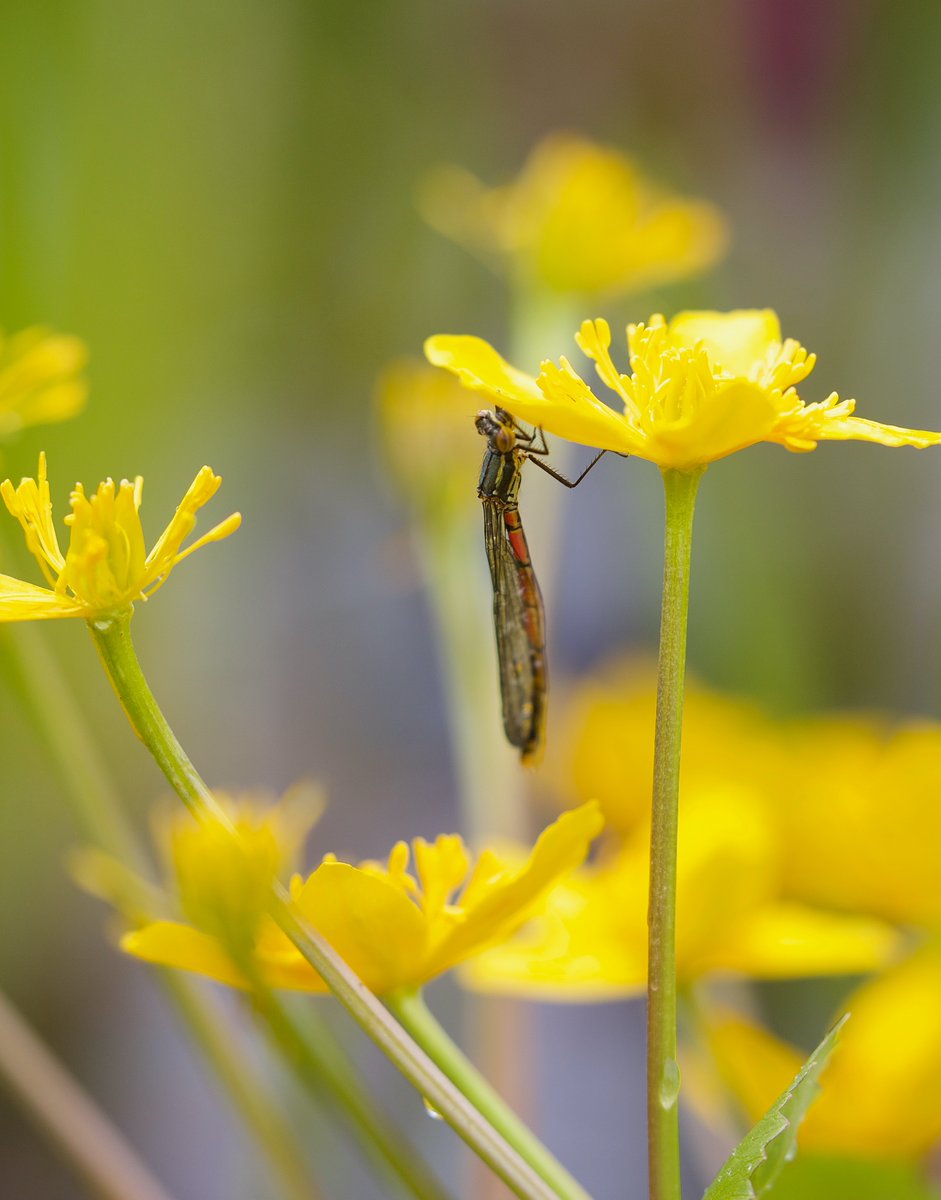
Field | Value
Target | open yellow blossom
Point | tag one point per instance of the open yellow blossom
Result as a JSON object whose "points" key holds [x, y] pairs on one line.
{"points": [[703, 385], [882, 1091], [106, 568], [40, 378], [581, 218], [395, 929], [591, 942]]}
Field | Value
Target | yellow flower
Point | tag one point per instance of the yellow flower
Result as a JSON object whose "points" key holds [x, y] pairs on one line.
{"points": [[702, 386], [107, 567], [860, 816], [40, 378], [881, 1093], [395, 929], [222, 882], [591, 944], [581, 218]]}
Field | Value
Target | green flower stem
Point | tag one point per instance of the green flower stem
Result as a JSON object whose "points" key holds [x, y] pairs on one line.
{"points": [[69, 1117], [412, 1012], [329, 1076], [44, 691], [113, 639], [663, 1077]]}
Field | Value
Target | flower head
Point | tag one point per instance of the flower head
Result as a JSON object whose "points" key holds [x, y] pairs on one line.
{"points": [[702, 386], [591, 942], [882, 1092], [40, 378], [107, 567], [395, 926], [580, 218]]}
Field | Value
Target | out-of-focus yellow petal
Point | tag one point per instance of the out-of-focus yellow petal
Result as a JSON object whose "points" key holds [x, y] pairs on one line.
{"points": [[170, 944], [786, 940], [857, 805], [40, 378], [882, 1092]]}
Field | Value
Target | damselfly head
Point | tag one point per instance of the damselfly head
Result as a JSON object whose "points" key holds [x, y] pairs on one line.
{"points": [[498, 427]]}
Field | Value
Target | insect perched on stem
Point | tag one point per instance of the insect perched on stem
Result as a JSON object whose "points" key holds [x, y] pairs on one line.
{"points": [[518, 614]]}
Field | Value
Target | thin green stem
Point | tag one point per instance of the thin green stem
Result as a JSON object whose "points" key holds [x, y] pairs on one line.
{"points": [[663, 1076], [113, 640], [88, 787], [69, 1117], [328, 1075], [412, 1012]]}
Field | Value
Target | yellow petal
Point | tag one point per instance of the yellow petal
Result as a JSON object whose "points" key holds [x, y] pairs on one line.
{"points": [[735, 341], [503, 907], [737, 415], [882, 1092], [170, 944], [783, 940], [369, 921], [21, 601]]}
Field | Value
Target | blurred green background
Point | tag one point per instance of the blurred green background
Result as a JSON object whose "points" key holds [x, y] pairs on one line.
{"points": [[220, 199]]}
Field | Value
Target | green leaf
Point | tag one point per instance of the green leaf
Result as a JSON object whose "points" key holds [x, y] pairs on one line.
{"points": [[757, 1160], [819, 1177]]}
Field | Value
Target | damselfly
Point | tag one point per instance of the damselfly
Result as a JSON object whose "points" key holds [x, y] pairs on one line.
{"points": [[518, 613]]}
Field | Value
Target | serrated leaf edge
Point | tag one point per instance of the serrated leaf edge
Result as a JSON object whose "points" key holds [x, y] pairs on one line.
{"points": [[816, 1062]]}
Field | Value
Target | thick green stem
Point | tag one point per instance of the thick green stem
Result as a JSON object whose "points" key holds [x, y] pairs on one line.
{"points": [[411, 1010], [663, 1076], [113, 640], [69, 1117], [329, 1076]]}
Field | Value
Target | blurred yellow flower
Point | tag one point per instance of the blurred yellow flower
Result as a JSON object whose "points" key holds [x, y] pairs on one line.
{"points": [[703, 385], [395, 929], [40, 378], [581, 218], [860, 817], [106, 568], [222, 882], [591, 943], [881, 1093]]}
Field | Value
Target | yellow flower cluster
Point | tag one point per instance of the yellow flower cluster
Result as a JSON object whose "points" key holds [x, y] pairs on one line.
{"points": [[806, 847], [397, 926], [580, 218], [107, 567], [702, 386]]}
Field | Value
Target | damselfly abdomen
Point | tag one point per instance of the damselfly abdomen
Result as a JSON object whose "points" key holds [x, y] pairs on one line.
{"points": [[518, 614]]}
